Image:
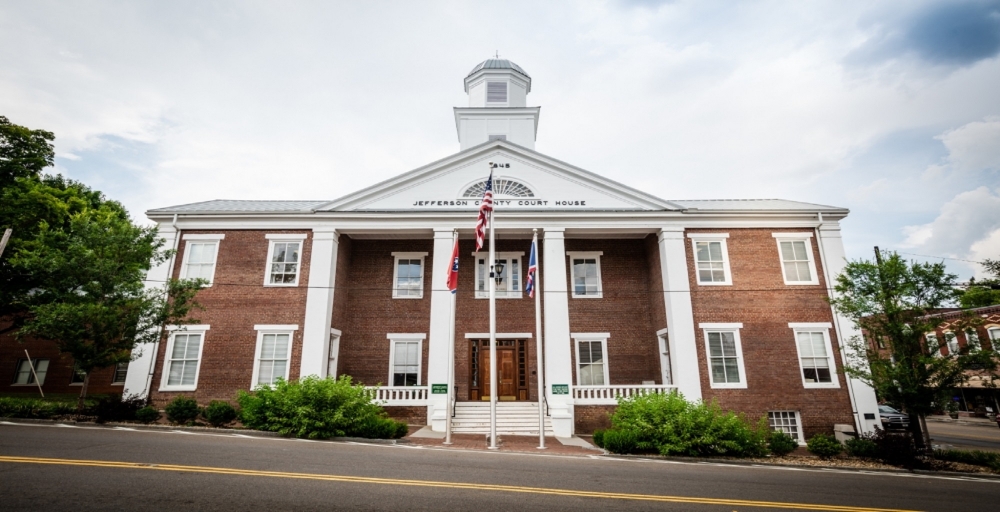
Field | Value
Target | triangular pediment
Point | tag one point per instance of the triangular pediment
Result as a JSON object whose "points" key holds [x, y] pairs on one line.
{"points": [[524, 180]]}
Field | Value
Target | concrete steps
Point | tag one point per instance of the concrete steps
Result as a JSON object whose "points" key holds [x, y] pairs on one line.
{"points": [[513, 419]]}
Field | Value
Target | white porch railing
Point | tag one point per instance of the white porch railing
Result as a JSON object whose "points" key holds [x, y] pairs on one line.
{"points": [[608, 395], [399, 396]]}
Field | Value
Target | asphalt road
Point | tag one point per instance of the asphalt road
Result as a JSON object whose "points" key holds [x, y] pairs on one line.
{"points": [[964, 436], [45, 467]]}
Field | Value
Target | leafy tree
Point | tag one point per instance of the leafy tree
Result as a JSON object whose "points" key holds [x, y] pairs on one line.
{"points": [[985, 292], [893, 301], [73, 270], [91, 300]]}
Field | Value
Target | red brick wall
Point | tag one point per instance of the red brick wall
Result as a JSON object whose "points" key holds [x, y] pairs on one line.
{"points": [[370, 312], [60, 371], [411, 415], [592, 417], [236, 301], [765, 305], [624, 311]]}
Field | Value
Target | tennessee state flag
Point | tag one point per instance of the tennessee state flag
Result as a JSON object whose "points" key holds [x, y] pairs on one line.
{"points": [[453, 269], [532, 271]]}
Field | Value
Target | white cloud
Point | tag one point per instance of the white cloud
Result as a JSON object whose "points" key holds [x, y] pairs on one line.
{"points": [[967, 228], [987, 248], [974, 146]]}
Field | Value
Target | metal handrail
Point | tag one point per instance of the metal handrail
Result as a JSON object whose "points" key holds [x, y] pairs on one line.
{"points": [[546, 402]]}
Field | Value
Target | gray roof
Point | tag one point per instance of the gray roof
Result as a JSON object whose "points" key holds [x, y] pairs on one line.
{"points": [[497, 64], [241, 206], [753, 205]]}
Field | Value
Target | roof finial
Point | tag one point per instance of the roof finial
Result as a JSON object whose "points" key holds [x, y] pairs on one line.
{"points": [[497, 54]]}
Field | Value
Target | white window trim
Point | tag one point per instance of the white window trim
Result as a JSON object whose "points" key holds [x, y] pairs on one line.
{"points": [[592, 336], [263, 329], [600, 279], [955, 337], [406, 337], [798, 424], [182, 329], [990, 329], [286, 237], [395, 272], [823, 327], [509, 256], [790, 237], [203, 237], [275, 239], [735, 329], [711, 237], [215, 257]]}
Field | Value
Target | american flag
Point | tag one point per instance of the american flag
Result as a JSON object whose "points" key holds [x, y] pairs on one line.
{"points": [[529, 286], [485, 207]]}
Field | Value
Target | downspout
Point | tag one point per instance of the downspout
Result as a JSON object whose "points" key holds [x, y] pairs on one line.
{"points": [[156, 344], [836, 325]]}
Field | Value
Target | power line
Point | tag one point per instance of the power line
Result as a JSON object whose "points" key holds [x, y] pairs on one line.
{"points": [[938, 257]]}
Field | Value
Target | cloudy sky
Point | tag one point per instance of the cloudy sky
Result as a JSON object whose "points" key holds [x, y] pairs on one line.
{"points": [[891, 108]]}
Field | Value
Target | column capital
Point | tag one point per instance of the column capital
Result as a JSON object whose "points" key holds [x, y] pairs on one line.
{"points": [[553, 233], [670, 233], [448, 233], [325, 234]]}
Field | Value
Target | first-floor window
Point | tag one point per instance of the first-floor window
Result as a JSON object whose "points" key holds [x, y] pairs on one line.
{"points": [[78, 375], [725, 357], [814, 357], [121, 370], [24, 376], [272, 357], [787, 422], [591, 365], [405, 363], [183, 359]]}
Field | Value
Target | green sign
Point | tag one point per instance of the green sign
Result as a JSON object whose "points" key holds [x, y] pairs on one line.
{"points": [[560, 389], [439, 389]]}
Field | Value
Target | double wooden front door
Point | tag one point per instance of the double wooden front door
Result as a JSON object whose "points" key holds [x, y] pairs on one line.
{"points": [[511, 367]]}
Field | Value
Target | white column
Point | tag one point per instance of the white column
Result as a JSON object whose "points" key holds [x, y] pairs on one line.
{"points": [[834, 259], [140, 369], [558, 357], [681, 335], [437, 351], [319, 303]]}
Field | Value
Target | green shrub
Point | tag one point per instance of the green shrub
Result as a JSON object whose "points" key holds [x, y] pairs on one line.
{"points": [[620, 441], [599, 438], [182, 410], [781, 444], [669, 424], [116, 407], [147, 414], [317, 408], [18, 407], [219, 413], [824, 446], [896, 448], [974, 457], [863, 447]]}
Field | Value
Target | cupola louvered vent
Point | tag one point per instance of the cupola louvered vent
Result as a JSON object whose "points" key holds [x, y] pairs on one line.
{"points": [[496, 92], [501, 187]]}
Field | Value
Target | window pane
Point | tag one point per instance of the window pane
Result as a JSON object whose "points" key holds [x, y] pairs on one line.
{"points": [[189, 368], [180, 346], [802, 269], [267, 346], [787, 254], [715, 344], [800, 250], [174, 375], [584, 352], [718, 371], [193, 344], [702, 251], [732, 370], [715, 248], [728, 344]]}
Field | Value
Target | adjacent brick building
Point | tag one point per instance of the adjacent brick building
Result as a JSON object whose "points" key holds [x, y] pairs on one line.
{"points": [[721, 300]]}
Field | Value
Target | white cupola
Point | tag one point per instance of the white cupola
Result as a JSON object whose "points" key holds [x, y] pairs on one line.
{"points": [[498, 91]]}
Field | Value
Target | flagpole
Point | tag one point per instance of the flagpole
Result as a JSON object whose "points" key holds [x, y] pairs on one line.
{"points": [[493, 339], [539, 350], [451, 357]]}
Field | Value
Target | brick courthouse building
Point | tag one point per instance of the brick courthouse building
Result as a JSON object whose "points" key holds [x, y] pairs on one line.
{"points": [[722, 300]]}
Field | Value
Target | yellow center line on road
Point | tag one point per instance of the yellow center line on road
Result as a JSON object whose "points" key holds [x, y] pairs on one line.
{"points": [[447, 485]]}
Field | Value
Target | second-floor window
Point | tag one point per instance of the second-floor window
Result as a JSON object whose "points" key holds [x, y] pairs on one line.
{"points": [[711, 258], [509, 286], [200, 254], [284, 260], [585, 274], [795, 251], [408, 275]]}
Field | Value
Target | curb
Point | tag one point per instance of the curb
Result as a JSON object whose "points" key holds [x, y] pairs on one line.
{"points": [[732, 462], [170, 428], [989, 424]]}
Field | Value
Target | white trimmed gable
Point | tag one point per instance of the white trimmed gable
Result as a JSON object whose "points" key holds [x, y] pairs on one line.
{"points": [[530, 181]]}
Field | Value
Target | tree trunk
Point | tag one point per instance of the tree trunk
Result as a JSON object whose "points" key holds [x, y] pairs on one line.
{"points": [[917, 433], [83, 394], [927, 433]]}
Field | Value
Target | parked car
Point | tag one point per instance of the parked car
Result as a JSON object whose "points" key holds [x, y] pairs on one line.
{"points": [[893, 419]]}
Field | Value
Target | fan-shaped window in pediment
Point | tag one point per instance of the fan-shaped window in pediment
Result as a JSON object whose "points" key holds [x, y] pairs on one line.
{"points": [[501, 187]]}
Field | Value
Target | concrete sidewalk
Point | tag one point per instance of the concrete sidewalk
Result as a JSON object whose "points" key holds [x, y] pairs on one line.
{"points": [[982, 422], [526, 444]]}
